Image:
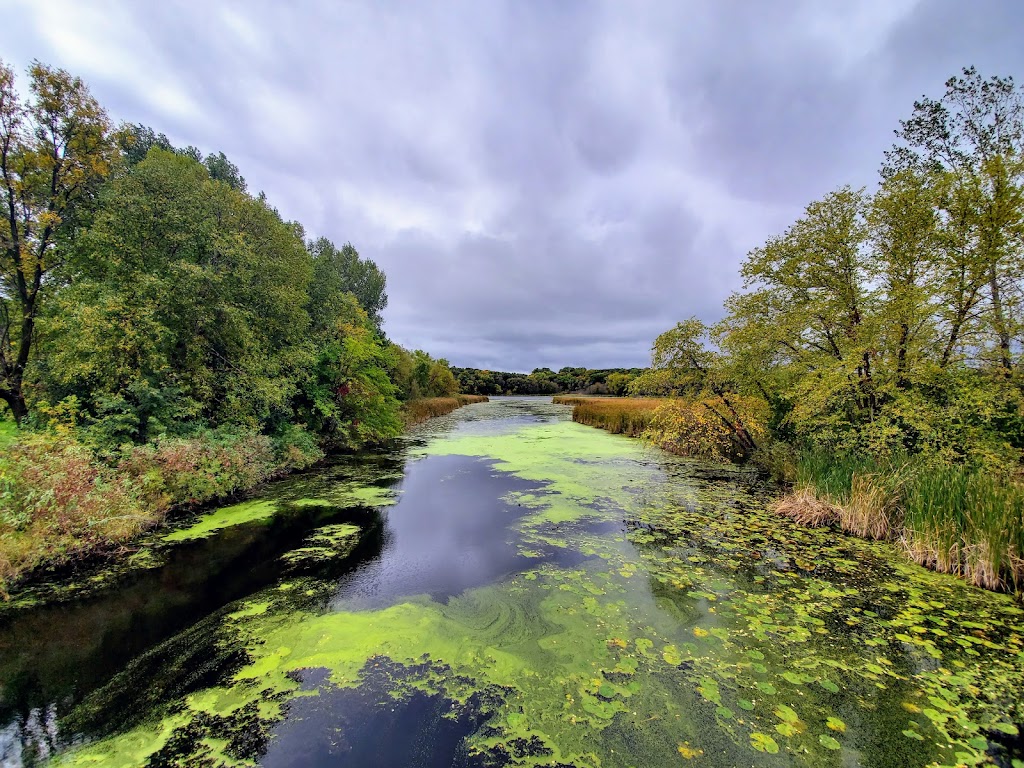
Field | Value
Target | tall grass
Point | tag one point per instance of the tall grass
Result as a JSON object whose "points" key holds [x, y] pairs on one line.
{"points": [[630, 416], [971, 523], [573, 399], [419, 410], [955, 519]]}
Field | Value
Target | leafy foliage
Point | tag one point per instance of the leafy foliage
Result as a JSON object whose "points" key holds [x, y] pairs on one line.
{"points": [[880, 337], [168, 337], [54, 150]]}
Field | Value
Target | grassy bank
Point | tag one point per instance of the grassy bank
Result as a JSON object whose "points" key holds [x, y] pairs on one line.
{"points": [[62, 501], [954, 519], [8, 431], [416, 411]]}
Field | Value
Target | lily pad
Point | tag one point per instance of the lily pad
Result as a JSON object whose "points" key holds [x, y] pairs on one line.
{"points": [[762, 742], [828, 742]]}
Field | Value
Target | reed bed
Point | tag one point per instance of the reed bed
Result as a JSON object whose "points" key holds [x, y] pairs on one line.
{"points": [[954, 519], [417, 411], [575, 399], [630, 416]]}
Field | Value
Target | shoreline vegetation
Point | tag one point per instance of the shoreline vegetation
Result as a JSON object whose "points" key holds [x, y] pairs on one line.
{"points": [[951, 518], [68, 508], [167, 338], [873, 359]]}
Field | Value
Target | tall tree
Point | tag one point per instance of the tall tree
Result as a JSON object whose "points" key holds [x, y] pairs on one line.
{"points": [[337, 271], [975, 133], [183, 285], [53, 150], [802, 321]]}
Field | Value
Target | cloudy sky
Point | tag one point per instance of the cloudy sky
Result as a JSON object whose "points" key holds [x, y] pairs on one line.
{"points": [[544, 183]]}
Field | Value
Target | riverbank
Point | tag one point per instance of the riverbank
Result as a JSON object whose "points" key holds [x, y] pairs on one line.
{"points": [[63, 504], [951, 519]]}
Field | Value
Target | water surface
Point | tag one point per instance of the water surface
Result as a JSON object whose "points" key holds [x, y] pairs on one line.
{"points": [[506, 587]]}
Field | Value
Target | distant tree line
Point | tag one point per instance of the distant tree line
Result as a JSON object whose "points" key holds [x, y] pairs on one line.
{"points": [[544, 381]]}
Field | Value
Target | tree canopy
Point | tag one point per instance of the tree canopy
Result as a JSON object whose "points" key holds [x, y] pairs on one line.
{"points": [[144, 292], [891, 320]]}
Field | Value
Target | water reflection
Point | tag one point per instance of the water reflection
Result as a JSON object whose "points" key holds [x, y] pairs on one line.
{"points": [[450, 531]]}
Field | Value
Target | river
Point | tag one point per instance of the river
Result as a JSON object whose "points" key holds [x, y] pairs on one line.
{"points": [[506, 587]]}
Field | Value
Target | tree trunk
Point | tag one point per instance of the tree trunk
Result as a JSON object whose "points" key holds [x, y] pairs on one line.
{"points": [[15, 400], [999, 319], [901, 357]]}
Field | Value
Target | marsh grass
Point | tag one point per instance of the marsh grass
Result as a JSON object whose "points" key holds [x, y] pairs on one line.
{"points": [[630, 416], [417, 411], [955, 519], [968, 522], [575, 399]]}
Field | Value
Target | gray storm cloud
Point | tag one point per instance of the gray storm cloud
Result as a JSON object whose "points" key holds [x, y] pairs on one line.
{"points": [[545, 184]]}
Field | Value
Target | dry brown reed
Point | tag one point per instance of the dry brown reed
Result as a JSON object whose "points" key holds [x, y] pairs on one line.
{"points": [[619, 415], [804, 507], [417, 411]]}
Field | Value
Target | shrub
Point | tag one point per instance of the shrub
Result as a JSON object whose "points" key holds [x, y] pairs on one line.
{"points": [[296, 448], [56, 502], [198, 469]]}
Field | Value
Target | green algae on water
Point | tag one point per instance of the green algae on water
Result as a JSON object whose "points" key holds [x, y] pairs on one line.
{"points": [[692, 625], [329, 542], [263, 509], [224, 517]]}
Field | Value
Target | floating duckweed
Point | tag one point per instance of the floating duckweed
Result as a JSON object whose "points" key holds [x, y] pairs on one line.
{"points": [[225, 517], [684, 603]]}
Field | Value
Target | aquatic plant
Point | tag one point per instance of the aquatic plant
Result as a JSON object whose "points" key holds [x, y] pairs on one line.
{"points": [[956, 519], [618, 415]]}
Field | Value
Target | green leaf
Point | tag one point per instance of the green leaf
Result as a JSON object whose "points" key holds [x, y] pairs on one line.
{"points": [[828, 742], [762, 742]]}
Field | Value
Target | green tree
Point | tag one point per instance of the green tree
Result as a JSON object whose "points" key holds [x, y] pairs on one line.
{"points": [[975, 135], [339, 271], [222, 169], [187, 287], [683, 356], [54, 149], [348, 397], [799, 333], [618, 383]]}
